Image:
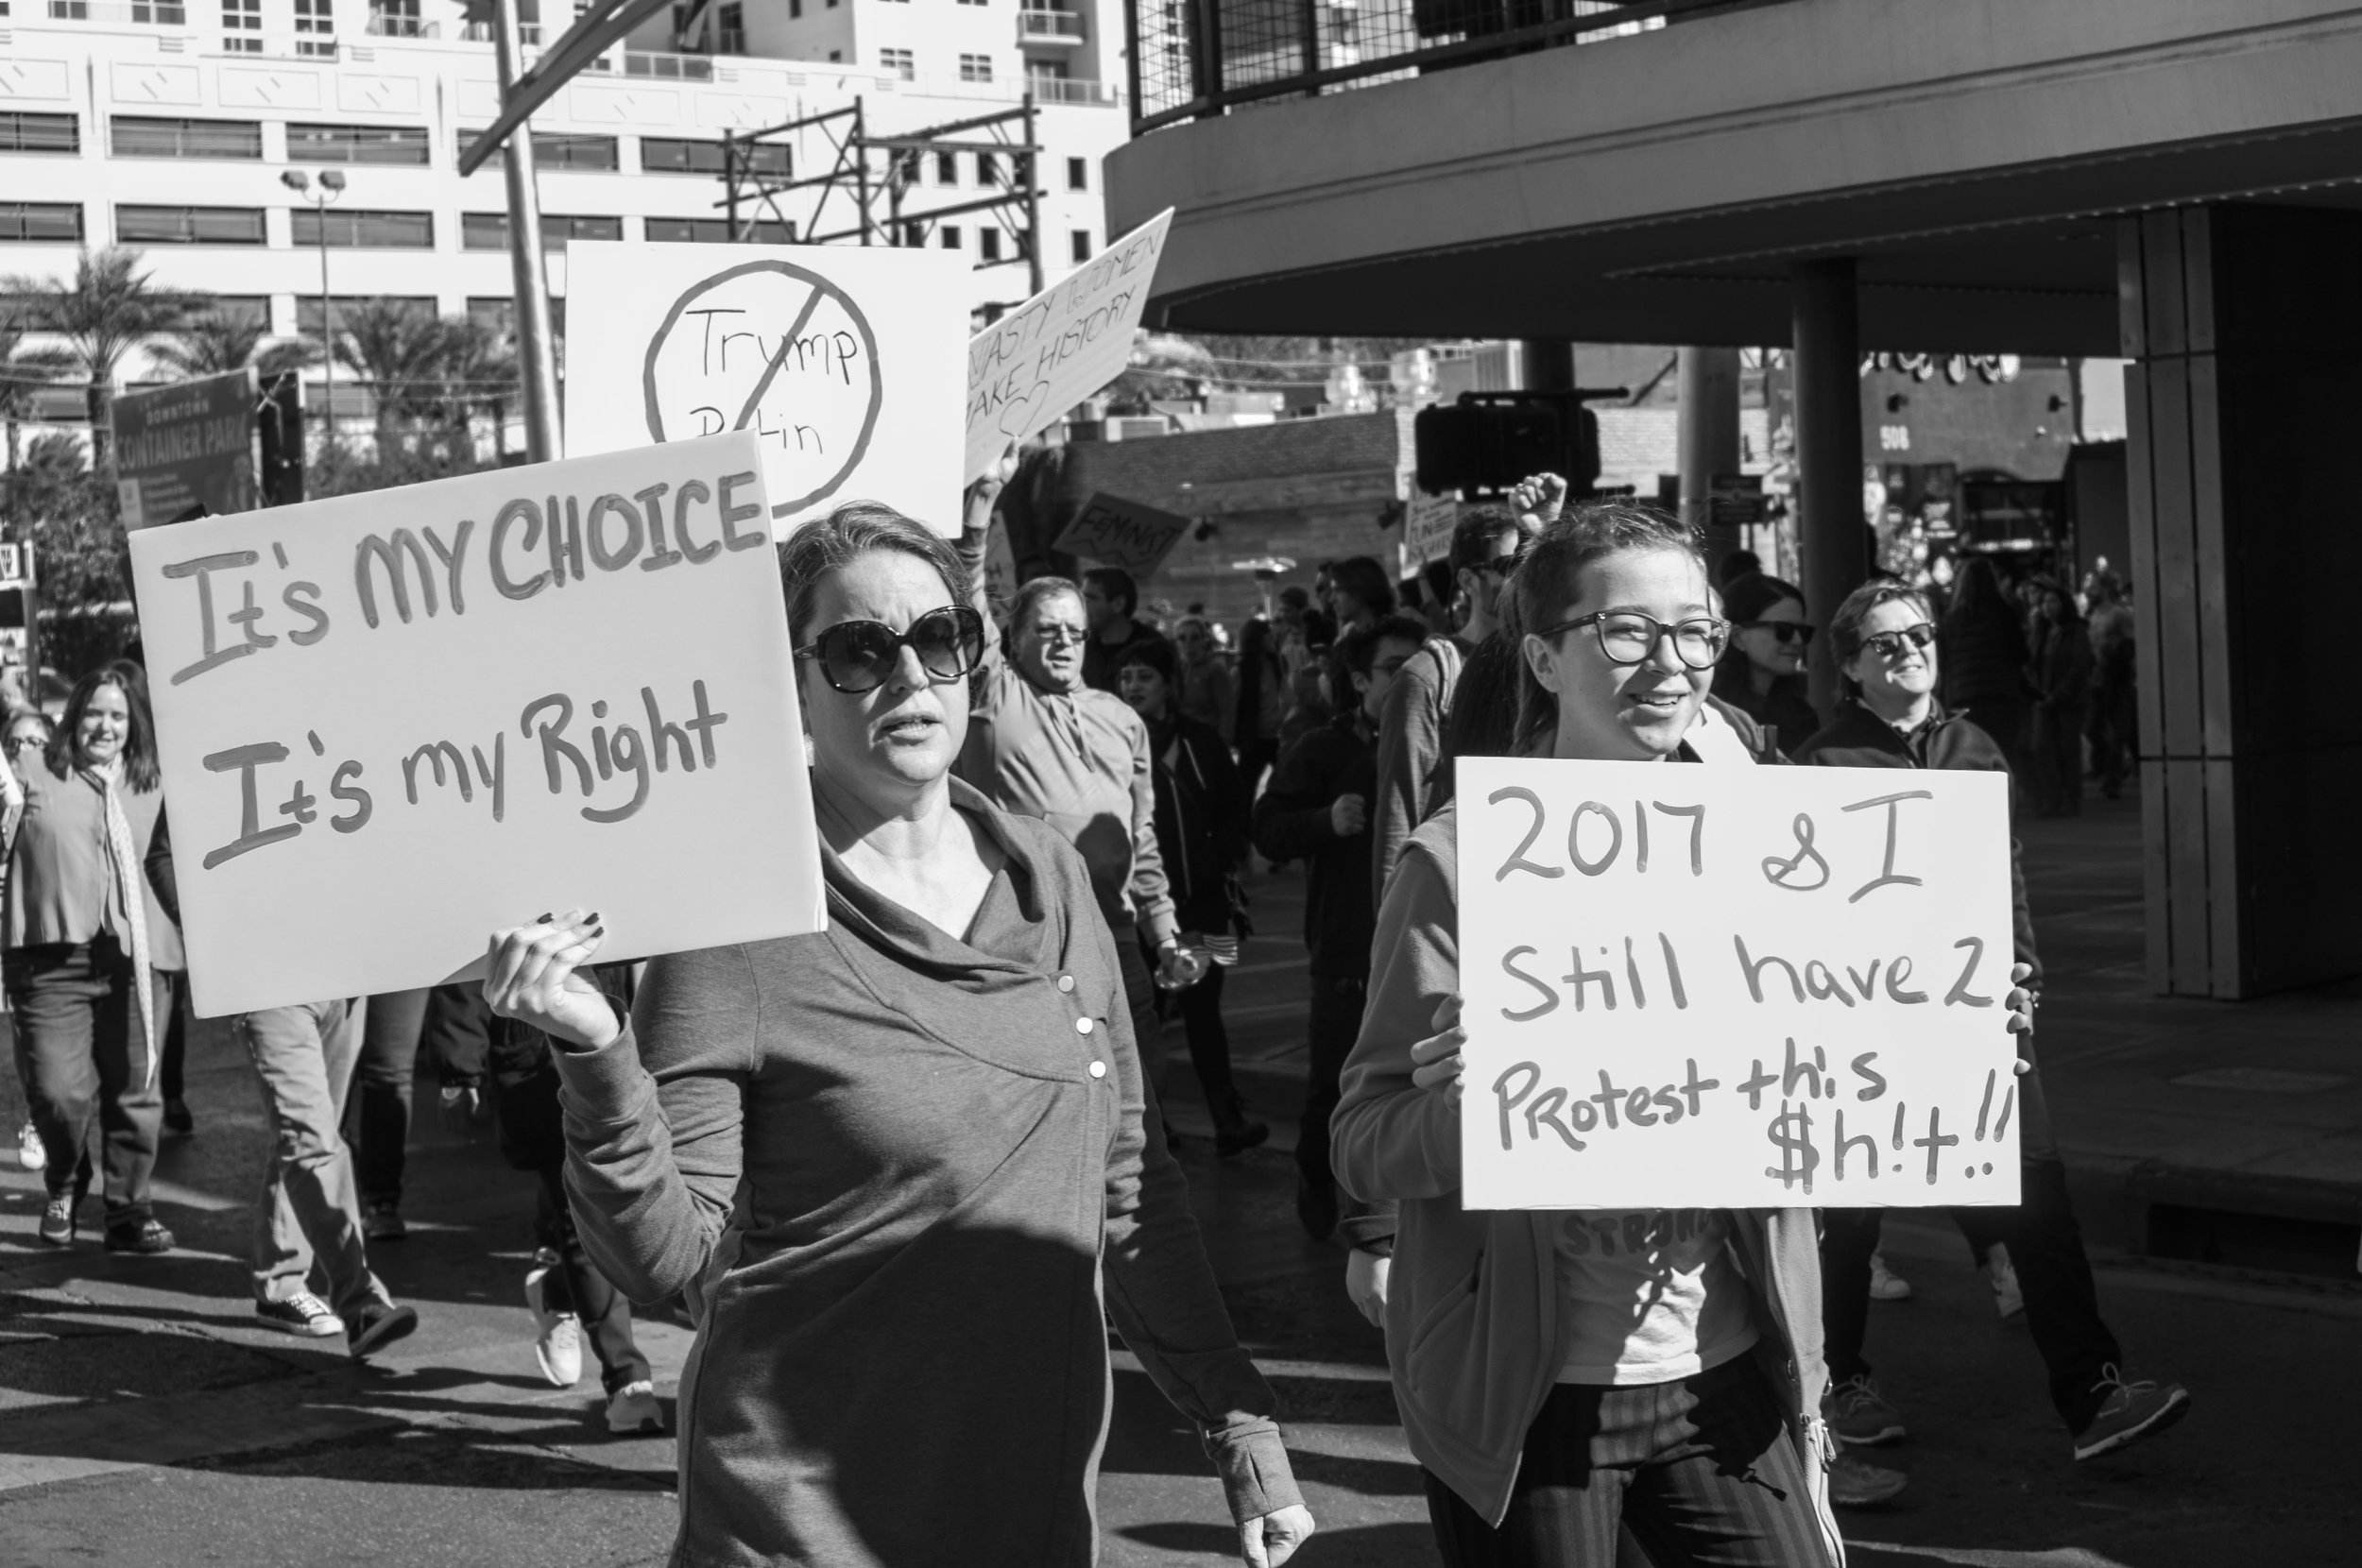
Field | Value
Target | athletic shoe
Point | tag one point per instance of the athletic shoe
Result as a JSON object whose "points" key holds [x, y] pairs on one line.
{"points": [[2007, 1297], [30, 1155], [302, 1314], [1857, 1483], [377, 1325], [177, 1117], [147, 1236], [56, 1219], [556, 1337], [633, 1410], [2131, 1412], [1885, 1284], [1856, 1414], [383, 1222]]}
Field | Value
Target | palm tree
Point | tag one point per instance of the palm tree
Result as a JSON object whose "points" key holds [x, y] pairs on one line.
{"points": [[21, 370], [398, 352], [111, 307], [479, 370], [214, 344]]}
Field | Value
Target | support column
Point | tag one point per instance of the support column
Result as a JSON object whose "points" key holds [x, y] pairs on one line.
{"points": [[1828, 451], [2244, 327], [1707, 389]]}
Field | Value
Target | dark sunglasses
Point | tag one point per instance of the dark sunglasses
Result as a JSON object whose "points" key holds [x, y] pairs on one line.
{"points": [[1783, 631], [858, 655], [1889, 645]]}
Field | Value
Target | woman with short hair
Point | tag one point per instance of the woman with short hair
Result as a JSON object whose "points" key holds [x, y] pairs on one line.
{"points": [[900, 1166], [1762, 672]]}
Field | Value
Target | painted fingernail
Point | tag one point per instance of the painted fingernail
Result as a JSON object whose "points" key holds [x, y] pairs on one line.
{"points": [[542, 919], [593, 918], [596, 930]]}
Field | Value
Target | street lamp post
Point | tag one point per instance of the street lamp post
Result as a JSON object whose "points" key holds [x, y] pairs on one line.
{"points": [[332, 186]]}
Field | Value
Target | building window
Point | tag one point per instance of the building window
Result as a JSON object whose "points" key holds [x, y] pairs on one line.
{"points": [[316, 18], [950, 233], [732, 37], [1078, 174], [794, 11], [140, 136], [975, 68], [312, 321], [989, 244], [41, 222], [1079, 242], [679, 155], [987, 169], [947, 168], [189, 225], [40, 133], [405, 145], [714, 231], [240, 19], [243, 309], [836, 56], [900, 62], [362, 230], [971, 2], [396, 19], [558, 149], [489, 231]]}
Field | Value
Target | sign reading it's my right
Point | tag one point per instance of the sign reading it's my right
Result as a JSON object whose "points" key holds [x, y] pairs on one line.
{"points": [[1733, 987]]}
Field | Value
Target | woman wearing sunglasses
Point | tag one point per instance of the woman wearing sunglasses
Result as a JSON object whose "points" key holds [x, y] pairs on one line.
{"points": [[897, 1166], [1762, 674], [1885, 641], [1555, 1380]]}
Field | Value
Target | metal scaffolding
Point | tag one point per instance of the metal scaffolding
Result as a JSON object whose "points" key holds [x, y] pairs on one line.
{"points": [[878, 178]]}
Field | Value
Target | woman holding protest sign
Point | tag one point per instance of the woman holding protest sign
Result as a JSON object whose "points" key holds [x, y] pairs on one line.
{"points": [[1658, 1375], [899, 1166], [87, 945], [1884, 637]]}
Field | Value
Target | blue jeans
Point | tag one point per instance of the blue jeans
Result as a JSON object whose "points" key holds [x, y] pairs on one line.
{"points": [[309, 1210], [77, 1047]]}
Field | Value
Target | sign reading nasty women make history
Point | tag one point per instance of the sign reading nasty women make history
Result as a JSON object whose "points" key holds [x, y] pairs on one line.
{"points": [[394, 723], [1731, 987], [845, 363]]}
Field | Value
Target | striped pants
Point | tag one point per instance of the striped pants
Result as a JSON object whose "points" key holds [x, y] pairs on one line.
{"points": [[1701, 1471]]}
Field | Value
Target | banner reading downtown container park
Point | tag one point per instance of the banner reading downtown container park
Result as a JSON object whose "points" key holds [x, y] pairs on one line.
{"points": [[182, 448], [394, 723], [1730, 987]]}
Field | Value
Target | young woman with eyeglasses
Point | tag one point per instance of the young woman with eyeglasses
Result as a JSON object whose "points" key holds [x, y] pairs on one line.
{"points": [[1762, 672], [1885, 641], [899, 1166], [1556, 1383]]}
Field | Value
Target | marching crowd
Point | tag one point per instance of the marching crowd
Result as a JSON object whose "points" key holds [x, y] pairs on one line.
{"points": [[904, 1171]]}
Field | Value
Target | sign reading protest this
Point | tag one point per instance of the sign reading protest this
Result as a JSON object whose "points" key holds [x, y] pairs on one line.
{"points": [[185, 446], [394, 723], [1060, 347], [844, 361], [1115, 531], [1733, 987]]}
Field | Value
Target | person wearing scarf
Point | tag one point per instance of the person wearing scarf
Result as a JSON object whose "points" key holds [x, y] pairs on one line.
{"points": [[84, 938]]}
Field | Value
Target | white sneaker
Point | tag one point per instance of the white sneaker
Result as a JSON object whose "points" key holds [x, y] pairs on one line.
{"points": [[633, 1410], [2006, 1295], [1885, 1284], [556, 1337], [30, 1155]]}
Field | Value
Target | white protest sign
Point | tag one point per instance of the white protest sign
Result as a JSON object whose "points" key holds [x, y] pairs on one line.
{"points": [[845, 361], [393, 722], [1115, 531], [1427, 523], [1058, 348], [1733, 987]]}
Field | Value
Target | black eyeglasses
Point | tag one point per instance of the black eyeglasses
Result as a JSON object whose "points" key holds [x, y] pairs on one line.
{"points": [[1627, 637], [1889, 645], [1783, 631], [858, 655]]}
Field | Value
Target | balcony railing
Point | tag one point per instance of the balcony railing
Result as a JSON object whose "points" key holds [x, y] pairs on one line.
{"points": [[140, 13], [528, 33], [1059, 90], [1040, 27], [1193, 58], [403, 26], [670, 67]]}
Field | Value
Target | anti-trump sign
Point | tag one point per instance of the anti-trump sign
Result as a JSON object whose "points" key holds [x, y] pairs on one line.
{"points": [[394, 723], [1729, 987]]}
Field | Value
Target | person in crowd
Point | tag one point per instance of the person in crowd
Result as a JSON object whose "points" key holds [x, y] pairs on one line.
{"points": [[1983, 645], [1262, 702], [23, 738], [1762, 674], [1111, 602], [2113, 729], [85, 939], [448, 1023], [904, 1167], [1886, 647], [1206, 691], [2063, 683], [1294, 639], [1317, 810], [1734, 564], [1202, 808], [1360, 592], [1660, 1390], [1485, 544], [1042, 744]]}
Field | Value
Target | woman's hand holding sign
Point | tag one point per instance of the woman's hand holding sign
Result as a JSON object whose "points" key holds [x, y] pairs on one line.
{"points": [[1439, 1065], [2021, 1003], [533, 979]]}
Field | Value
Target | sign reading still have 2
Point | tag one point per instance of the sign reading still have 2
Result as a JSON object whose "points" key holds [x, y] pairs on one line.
{"points": [[394, 723], [1721, 987], [845, 363]]}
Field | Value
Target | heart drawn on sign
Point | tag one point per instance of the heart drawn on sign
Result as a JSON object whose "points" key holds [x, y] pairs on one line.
{"points": [[1016, 414]]}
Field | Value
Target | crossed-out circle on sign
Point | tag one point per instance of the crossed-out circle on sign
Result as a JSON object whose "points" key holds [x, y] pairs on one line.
{"points": [[774, 348]]}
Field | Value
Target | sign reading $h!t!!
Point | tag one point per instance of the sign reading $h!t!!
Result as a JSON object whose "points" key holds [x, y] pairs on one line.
{"points": [[1731, 987], [394, 723]]}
